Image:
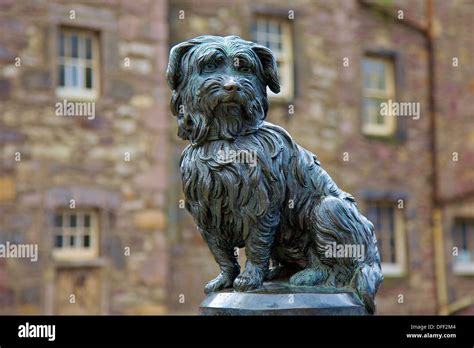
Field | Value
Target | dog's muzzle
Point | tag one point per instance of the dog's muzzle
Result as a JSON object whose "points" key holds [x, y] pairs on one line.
{"points": [[227, 91], [232, 86]]}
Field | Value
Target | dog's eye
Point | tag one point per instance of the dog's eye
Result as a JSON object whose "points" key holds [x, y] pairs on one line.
{"points": [[209, 67], [245, 69]]}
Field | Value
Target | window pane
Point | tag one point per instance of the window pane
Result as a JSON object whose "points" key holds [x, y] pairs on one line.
{"points": [[374, 74], [88, 48], [470, 237], [380, 78], [61, 75], [80, 77], [273, 27], [273, 46], [73, 220], [464, 240], [463, 236], [74, 46], [391, 230], [89, 78], [86, 241], [67, 75], [74, 79], [368, 112], [72, 241], [87, 220], [372, 108], [383, 218], [58, 241], [67, 45], [61, 44], [58, 220], [267, 34]]}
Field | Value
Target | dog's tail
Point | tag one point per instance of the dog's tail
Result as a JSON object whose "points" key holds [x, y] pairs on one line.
{"points": [[366, 282], [337, 219], [368, 275]]}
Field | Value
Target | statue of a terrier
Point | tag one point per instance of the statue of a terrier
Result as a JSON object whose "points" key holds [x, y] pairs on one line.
{"points": [[282, 206]]}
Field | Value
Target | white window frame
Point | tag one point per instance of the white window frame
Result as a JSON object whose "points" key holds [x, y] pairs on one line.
{"points": [[397, 268], [284, 57], [389, 124], [76, 253], [463, 268], [80, 93]]}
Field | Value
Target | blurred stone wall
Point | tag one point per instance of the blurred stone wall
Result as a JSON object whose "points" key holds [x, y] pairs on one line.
{"points": [[327, 118], [455, 122], [74, 158]]}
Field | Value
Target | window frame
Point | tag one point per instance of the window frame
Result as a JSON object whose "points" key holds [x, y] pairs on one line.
{"points": [[399, 267], [285, 55], [388, 128], [462, 268], [77, 253], [80, 93]]}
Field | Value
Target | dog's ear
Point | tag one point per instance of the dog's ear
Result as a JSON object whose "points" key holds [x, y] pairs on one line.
{"points": [[173, 71], [270, 68]]}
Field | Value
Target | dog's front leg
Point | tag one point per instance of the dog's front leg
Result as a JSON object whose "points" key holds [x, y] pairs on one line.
{"points": [[257, 249], [227, 261]]}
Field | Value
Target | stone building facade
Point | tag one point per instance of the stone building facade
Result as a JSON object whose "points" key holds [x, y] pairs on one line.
{"points": [[120, 168], [325, 114], [111, 167]]}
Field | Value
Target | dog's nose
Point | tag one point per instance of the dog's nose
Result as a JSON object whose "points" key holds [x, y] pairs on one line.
{"points": [[232, 86]]}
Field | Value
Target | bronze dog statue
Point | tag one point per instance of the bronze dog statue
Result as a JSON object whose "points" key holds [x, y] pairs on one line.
{"points": [[248, 184]]}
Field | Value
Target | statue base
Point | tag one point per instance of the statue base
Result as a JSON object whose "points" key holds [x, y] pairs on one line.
{"points": [[281, 298]]}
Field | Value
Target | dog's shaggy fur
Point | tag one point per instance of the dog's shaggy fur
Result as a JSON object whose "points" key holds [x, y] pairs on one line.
{"points": [[285, 209]]}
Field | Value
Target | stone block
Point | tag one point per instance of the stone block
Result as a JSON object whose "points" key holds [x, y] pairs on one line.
{"points": [[139, 49], [142, 101], [6, 55], [150, 219], [7, 188], [154, 270], [120, 89], [139, 8], [147, 309], [129, 27], [34, 79], [4, 89], [28, 309]]}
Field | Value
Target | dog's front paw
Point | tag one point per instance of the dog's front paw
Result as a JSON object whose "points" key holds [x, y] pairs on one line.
{"points": [[251, 278], [309, 277], [220, 282]]}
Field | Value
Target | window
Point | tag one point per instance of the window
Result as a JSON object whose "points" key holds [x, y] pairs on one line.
{"points": [[389, 227], [275, 33], [75, 235], [378, 87], [78, 64], [463, 240]]}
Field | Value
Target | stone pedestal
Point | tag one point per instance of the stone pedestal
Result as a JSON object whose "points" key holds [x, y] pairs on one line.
{"points": [[280, 298]]}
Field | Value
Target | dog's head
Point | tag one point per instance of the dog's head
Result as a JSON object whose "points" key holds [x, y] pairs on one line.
{"points": [[219, 86]]}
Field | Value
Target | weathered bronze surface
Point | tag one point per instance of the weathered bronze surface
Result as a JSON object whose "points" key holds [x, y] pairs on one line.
{"points": [[281, 298], [248, 184]]}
